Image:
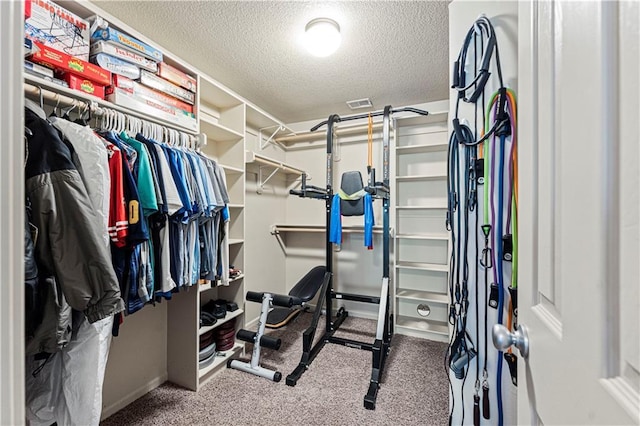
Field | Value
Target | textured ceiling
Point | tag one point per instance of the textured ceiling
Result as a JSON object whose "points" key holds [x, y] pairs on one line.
{"points": [[394, 52]]}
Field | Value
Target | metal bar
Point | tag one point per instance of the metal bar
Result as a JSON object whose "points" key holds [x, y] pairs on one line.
{"points": [[372, 114], [356, 297], [280, 128], [351, 343]]}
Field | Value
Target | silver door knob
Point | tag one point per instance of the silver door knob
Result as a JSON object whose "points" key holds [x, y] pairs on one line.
{"points": [[503, 338]]}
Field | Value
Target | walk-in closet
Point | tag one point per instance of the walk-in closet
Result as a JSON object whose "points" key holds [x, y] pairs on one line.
{"points": [[319, 212]]}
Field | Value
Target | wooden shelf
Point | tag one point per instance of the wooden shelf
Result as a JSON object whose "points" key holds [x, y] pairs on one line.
{"points": [[230, 316], [437, 327], [423, 266], [203, 373], [217, 132], [423, 207], [416, 149], [37, 82], [252, 157], [259, 119], [235, 206], [427, 296], [231, 169], [238, 278], [420, 178], [276, 229], [233, 241], [442, 236]]}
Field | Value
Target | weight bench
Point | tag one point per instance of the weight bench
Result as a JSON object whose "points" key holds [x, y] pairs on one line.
{"points": [[305, 290]]}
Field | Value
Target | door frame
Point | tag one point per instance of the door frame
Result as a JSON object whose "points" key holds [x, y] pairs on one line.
{"points": [[12, 213]]}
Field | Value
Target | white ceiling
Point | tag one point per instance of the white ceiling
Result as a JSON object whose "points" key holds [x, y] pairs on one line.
{"points": [[394, 52]]}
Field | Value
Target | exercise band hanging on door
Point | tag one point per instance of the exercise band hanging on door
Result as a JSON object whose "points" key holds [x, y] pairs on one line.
{"points": [[377, 190], [467, 168]]}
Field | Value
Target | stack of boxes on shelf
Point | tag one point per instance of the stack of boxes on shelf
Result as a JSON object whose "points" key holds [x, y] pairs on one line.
{"points": [[107, 63]]}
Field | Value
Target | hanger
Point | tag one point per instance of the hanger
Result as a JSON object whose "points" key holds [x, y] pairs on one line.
{"points": [[54, 113], [35, 108]]}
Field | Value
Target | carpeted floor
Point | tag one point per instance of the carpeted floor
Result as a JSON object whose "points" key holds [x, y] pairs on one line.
{"points": [[414, 389]]}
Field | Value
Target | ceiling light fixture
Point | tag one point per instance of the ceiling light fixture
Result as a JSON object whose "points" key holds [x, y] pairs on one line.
{"points": [[322, 36]]}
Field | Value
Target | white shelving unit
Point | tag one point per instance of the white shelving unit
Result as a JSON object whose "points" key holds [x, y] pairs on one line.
{"points": [[421, 240]]}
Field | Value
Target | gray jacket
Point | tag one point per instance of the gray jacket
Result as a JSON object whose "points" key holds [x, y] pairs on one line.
{"points": [[74, 265]]}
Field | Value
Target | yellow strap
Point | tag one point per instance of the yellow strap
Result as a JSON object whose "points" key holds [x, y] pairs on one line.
{"points": [[370, 142]]}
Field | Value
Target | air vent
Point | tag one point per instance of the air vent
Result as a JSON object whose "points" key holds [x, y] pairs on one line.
{"points": [[360, 103]]}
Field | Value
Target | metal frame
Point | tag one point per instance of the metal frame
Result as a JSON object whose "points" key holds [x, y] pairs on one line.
{"points": [[380, 190]]}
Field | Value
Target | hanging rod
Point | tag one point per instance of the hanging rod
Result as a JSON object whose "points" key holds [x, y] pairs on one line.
{"points": [[62, 96], [313, 136], [252, 157], [348, 229]]}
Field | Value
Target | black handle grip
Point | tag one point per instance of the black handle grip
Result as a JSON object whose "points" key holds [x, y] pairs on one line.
{"points": [[270, 342], [476, 410], [254, 296], [246, 336], [281, 300], [295, 192], [486, 413]]}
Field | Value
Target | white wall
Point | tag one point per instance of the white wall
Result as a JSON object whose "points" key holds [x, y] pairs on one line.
{"points": [[138, 358], [504, 17]]}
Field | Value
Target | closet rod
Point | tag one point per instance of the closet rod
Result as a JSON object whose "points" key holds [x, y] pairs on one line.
{"points": [[55, 98], [277, 229], [313, 136], [255, 158]]}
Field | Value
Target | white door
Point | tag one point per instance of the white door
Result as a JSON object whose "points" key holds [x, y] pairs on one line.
{"points": [[579, 212]]}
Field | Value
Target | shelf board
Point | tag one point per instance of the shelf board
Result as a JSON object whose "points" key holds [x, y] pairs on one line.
{"points": [[233, 241], [417, 178], [252, 157], [231, 169], [437, 327], [217, 132], [235, 206], [275, 229], [416, 149], [238, 278], [423, 207], [219, 361], [434, 236], [423, 266], [427, 296], [205, 287], [259, 119], [76, 94], [230, 316], [214, 94]]}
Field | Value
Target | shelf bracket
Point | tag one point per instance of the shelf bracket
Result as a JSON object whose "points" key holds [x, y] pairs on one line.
{"points": [[271, 139], [262, 182]]}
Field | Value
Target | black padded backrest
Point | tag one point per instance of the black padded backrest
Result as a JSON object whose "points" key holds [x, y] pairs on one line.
{"points": [[351, 183], [309, 285]]}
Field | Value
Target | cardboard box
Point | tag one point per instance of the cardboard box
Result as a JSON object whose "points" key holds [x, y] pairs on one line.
{"points": [[27, 9], [56, 27], [172, 115], [38, 70], [155, 82], [176, 76], [114, 36], [84, 85], [139, 90], [63, 62], [124, 54], [116, 66]]}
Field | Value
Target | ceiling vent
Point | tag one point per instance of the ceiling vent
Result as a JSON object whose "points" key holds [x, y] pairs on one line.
{"points": [[360, 103]]}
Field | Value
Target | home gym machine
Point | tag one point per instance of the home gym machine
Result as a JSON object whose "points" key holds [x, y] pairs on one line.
{"points": [[352, 183]]}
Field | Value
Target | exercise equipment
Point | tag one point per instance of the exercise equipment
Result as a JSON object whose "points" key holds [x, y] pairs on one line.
{"points": [[304, 290], [354, 205], [259, 339], [484, 156]]}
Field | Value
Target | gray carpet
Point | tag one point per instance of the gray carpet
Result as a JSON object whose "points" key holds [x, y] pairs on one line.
{"points": [[414, 389]]}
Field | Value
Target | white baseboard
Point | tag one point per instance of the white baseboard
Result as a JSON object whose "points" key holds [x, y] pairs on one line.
{"points": [[132, 396]]}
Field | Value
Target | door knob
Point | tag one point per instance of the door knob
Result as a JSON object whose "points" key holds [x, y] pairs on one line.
{"points": [[503, 338]]}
